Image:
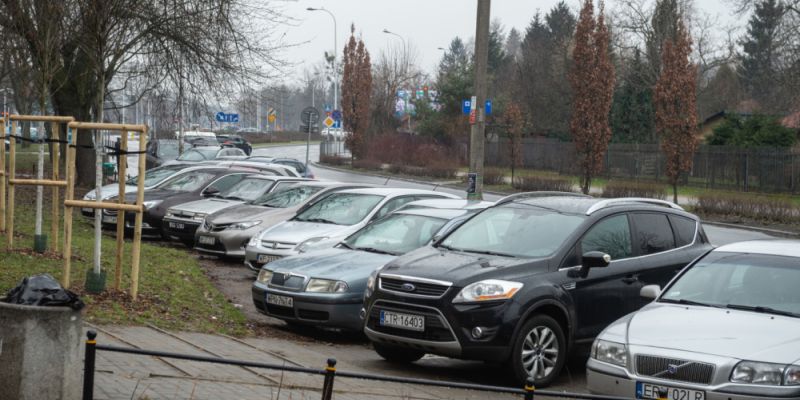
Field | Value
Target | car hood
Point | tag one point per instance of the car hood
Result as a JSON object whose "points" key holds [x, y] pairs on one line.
{"points": [[459, 267], [155, 194], [207, 206], [248, 212], [335, 263], [298, 231], [109, 191], [717, 331]]}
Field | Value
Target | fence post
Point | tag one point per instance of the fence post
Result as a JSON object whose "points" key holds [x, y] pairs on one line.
{"points": [[330, 373], [529, 389], [88, 366]]}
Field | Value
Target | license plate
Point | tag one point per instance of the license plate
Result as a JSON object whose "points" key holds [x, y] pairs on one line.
{"points": [[283, 301], [650, 391], [206, 240], [403, 321], [266, 258], [109, 219], [176, 225]]}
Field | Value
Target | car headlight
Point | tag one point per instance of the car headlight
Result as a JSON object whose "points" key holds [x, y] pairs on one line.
{"points": [[610, 352], [199, 217], [308, 245], [326, 286], [792, 375], [372, 281], [244, 225], [264, 276], [488, 290], [151, 203], [758, 373]]}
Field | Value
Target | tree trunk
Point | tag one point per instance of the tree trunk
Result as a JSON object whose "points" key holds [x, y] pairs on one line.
{"points": [[66, 103], [675, 192]]}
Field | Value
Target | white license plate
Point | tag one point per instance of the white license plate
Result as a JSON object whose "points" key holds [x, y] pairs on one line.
{"points": [[176, 225], [109, 219], [266, 258], [650, 391], [206, 240], [403, 321], [283, 301]]}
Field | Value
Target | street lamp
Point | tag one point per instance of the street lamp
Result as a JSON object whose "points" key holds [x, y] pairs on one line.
{"points": [[405, 55], [335, 51]]}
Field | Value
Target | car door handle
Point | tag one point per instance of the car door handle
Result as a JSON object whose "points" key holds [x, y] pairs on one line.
{"points": [[630, 279]]}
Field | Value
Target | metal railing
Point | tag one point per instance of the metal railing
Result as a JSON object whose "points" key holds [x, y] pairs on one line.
{"points": [[329, 372]]}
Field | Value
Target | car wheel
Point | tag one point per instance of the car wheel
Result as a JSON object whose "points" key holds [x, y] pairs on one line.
{"points": [[397, 354], [540, 351]]}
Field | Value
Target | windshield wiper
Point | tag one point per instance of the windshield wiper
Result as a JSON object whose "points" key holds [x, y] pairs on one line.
{"points": [[346, 246], [689, 302], [233, 198], [320, 220], [489, 253], [374, 250], [762, 309]]}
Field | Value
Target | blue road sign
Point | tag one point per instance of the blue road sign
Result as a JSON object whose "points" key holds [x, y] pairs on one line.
{"points": [[337, 124], [336, 115], [488, 107], [220, 117], [328, 107], [233, 118], [466, 106]]}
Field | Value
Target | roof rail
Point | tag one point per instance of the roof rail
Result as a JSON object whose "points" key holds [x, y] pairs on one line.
{"points": [[533, 195], [629, 200]]}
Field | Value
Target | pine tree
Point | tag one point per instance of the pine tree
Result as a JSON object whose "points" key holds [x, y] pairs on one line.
{"points": [[592, 78], [675, 103], [356, 92], [759, 70]]}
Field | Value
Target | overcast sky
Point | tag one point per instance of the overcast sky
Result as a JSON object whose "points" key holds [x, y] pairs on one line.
{"points": [[425, 24]]}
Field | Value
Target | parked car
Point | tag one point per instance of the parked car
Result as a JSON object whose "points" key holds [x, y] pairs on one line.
{"points": [[152, 178], [159, 151], [235, 141], [209, 153], [728, 327], [326, 287], [227, 232], [528, 281], [298, 166], [182, 220], [270, 169], [182, 188], [261, 159], [247, 130], [448, 204], [329, 221]]}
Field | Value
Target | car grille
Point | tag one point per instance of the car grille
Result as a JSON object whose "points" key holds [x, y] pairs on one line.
{"points": [[674, 369], [269, 244], [417, 288], [287, 281], [216, 227], [435, 328]]}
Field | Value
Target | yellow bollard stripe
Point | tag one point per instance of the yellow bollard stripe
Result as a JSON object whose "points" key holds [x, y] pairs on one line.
{"points": [[330, 369], [91, 342]]}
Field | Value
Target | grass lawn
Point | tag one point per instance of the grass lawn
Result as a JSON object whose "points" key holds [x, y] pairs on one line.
{"points": [[174, 293]]}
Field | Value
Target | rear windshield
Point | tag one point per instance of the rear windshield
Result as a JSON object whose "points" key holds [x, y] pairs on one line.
{"points": [[287, 198], [341, 209], [247, 189], [156, 175]]}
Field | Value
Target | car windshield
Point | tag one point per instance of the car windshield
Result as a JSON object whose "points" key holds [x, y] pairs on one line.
{"points": [[754, 282], [198, 154], [341, 209], [188, 182], [396, 234], [514, 231], [247, 189], [287, 198], [168, 150], [156, 175], [300, 167]]}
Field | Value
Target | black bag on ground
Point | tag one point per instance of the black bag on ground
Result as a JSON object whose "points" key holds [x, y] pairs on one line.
{"points": [[43, 290]]}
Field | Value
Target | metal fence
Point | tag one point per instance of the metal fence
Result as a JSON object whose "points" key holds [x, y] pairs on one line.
{"points": [[329, 372], [333, 148], [721, 167]]}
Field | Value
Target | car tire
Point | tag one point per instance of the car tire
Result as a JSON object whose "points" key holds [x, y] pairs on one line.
{"points": [[397, 354], [540, 351]]}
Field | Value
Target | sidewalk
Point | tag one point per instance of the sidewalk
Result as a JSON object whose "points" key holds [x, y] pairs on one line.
{"points": [[130, 376]]}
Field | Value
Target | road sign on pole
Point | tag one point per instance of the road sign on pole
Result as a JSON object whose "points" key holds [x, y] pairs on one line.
{"points": [[466, 106], [328, 122], [223, 117]]}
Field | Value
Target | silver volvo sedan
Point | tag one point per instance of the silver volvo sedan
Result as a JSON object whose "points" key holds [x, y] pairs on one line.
{"points": [[727, 327]]}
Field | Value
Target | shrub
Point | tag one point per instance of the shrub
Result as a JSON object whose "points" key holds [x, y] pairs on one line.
{"points": [[368, 164], [635, 189], [748, 206], [397, 168], [537, 183], [493, 176], [333, 160]]}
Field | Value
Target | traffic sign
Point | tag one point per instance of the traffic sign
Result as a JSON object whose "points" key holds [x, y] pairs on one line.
{"points": [[336, 115], [488, 107], [466, 106], [309, 116], [328, 122], [223, 117], [271, 118]]}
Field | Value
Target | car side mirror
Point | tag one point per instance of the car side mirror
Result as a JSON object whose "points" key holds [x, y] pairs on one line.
{"points": [[650, 292], [592, 259], [210, 191]]}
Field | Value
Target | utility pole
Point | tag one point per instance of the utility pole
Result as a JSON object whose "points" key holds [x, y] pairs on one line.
{"points": [[478, 128]]}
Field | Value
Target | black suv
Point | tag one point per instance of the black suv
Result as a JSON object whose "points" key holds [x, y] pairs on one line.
{"points": [[529, 280], [235, 141]]}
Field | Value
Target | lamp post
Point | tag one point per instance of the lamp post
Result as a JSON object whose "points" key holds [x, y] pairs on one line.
{"points": [[335, 51], [405, 55]]}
